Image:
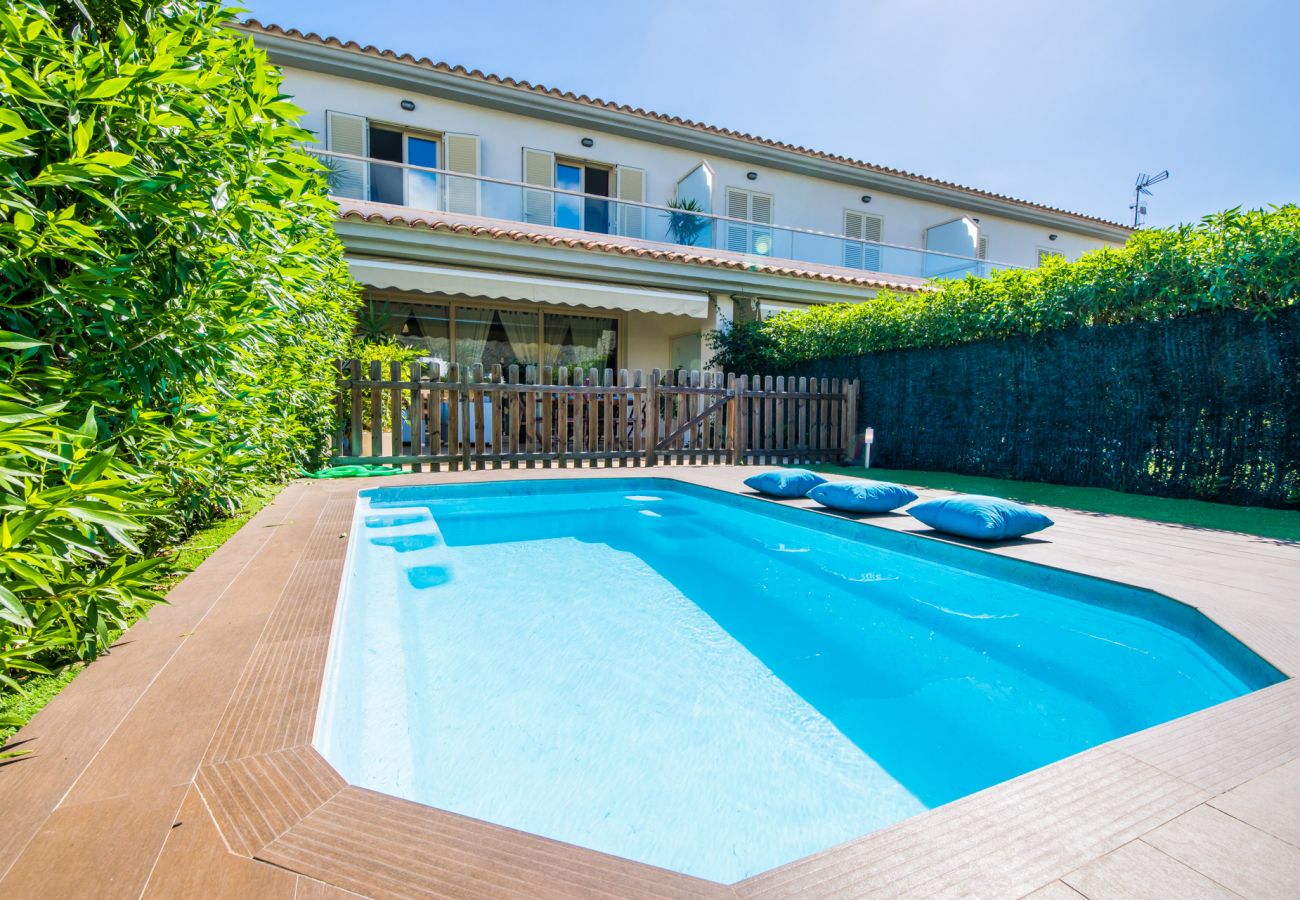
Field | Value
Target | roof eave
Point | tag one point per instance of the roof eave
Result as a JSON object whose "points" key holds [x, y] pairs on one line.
{"points": [[414, 240]]}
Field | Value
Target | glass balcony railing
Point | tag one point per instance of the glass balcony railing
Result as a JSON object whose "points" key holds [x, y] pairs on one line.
{"points": [[440, 190]]}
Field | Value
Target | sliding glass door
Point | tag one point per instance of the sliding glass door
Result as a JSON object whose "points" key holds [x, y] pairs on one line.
{"points": [[496, 334], [584, 341], [495, 337], [423, 326]]}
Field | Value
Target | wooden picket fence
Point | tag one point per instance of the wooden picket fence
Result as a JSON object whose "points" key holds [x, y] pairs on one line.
{"points": [[548, 416]]}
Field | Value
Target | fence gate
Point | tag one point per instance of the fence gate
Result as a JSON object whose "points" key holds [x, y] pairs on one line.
{"points": [[544, 416]]}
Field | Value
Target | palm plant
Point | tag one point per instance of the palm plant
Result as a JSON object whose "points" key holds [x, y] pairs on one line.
{"points": [[686, 221]]}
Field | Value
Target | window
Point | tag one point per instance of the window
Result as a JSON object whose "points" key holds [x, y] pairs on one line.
{"points": [[393, 149], [601, 185], [488, 334], [495, 337], [589, 213], [1045, 254], [397, 185], [859, 226], [749, 206], [568, 209], [585, 341], [423, 325]]}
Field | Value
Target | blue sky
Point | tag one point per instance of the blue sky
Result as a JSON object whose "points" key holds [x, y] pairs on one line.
{"points": [[1062, 103]]}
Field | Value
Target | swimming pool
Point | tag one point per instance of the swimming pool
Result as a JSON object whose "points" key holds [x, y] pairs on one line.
{"points": [[718, 685]]}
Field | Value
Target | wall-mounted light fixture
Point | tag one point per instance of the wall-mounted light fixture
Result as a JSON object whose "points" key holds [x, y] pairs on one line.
{"points": [[1051, 237], [975, 220], [588, 142], [866, 198], [752, 176], [408, 105]]}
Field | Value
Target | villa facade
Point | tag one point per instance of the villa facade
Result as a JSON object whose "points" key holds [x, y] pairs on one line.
{"points": [[494, 221]]}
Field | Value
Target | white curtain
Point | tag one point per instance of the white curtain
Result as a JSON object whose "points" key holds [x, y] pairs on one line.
{"points": [[521, 328], [471, 335], [572, 340]]}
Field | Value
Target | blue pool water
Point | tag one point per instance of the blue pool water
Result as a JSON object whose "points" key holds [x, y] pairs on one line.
{"points": [[718, 685]]}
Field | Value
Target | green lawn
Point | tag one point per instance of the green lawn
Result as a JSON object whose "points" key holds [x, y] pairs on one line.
{"points": [[199, 546], [1272, 523]]}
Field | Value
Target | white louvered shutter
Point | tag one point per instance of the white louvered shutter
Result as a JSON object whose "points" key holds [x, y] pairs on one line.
{"points": [[867, 229], [539, 169], [872, 229], [853, 231], [760, 210], [462, 156], [345, 133], [982, 250], [629, 185], [737, 208]]}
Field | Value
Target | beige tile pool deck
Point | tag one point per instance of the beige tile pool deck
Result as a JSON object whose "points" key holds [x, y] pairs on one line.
{"points": [[180, 764]]}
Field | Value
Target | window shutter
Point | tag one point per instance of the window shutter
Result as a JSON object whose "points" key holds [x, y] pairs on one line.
{"points": [[347, 134], [872, 229], [867, 229], [539, 169], [737, 204], [751, 207], [737, 208], [629, 184], [462, 156], [853, 231], [982, 250]]}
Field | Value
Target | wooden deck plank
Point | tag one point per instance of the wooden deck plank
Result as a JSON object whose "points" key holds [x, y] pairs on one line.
{"points": [[412, 847], [194, 862]]}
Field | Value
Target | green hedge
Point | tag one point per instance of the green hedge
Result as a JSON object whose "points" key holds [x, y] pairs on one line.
{"points": [[1247, 260], [1204, 407], [172, 298]]}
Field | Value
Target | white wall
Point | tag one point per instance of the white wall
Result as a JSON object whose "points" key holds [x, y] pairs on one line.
{"points": [[800, 201], [649, 338]]}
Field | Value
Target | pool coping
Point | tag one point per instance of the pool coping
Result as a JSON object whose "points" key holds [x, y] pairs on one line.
{"points": [[274, 799]]}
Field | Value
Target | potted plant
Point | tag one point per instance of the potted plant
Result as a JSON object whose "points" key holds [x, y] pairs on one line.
{"points": [[686, 221]]}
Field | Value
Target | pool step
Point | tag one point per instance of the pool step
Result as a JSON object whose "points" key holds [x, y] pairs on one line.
{"points": [[418, 544]]}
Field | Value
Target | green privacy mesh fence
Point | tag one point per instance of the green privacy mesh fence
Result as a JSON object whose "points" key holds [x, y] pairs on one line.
{"points": [[1205, 406]]}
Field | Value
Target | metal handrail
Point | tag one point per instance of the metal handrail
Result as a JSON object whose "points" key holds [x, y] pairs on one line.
{"points": [[315, 151]]}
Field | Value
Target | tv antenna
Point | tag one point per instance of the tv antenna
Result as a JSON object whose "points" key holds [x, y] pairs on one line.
{"points": [[1143, 189]]}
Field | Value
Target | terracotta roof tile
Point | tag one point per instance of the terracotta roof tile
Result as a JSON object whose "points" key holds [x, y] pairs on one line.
{"points": [[369, 213], [489, 78]]}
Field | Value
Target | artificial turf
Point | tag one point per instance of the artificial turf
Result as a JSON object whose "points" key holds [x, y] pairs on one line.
{"points": [[1272, 523]]}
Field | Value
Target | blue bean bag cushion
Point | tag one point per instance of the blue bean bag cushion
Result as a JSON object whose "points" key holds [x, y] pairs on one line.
{"points": [[982, 518], [862, 495], [784, 482]]}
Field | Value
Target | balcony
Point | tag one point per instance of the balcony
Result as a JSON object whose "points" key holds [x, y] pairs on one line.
{"points": [[431, 190]]}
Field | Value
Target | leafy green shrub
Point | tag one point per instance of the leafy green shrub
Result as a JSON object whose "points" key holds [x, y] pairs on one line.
{"points": [[1233, 260], [172, 299], [384, 350]]}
